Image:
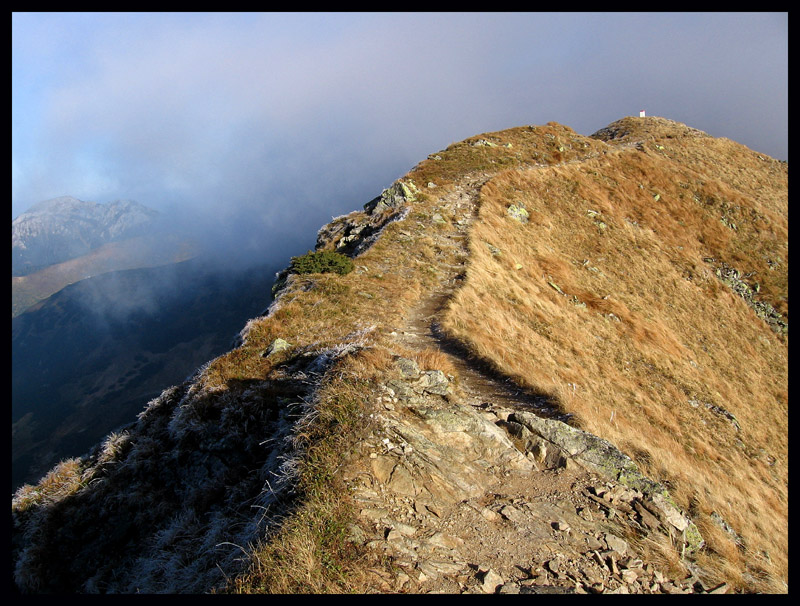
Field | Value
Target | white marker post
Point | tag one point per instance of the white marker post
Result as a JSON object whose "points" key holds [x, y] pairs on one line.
{"points": [[641, 114]]}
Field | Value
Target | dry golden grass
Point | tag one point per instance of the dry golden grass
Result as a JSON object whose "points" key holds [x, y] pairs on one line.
{"points": [[614, 312], [434, 359], [310, 553], [61, 481], [603, 300]]}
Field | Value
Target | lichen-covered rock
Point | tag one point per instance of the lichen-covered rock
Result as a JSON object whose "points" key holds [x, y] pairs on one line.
{"points": [[409, 369], [398, 194], [276, 346], [587, 449], [730, 276], [518, 213], [601, 456], [433, 382], [354, 233]]}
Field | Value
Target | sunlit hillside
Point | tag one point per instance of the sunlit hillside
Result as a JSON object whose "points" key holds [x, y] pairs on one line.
{"points": [[646, 291], [633, 283]]}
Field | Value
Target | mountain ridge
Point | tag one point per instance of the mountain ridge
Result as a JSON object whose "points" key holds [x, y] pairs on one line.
{"points": [[376, 462], [64, 240], [59, 229], [85, 358]]}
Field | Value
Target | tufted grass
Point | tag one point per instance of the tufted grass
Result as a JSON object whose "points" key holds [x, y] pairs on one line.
{"points": [[639, 327]]}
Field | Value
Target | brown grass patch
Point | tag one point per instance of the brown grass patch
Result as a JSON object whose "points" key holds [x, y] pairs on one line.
{"points": [[640, 342], [61, 481], [434, 359]]}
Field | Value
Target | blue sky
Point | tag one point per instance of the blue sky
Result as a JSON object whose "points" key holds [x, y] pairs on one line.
{"points": [[282, 121]]}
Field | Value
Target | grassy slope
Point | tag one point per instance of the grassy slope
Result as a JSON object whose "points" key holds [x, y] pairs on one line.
{"points": [[676, 339], [646, 347], [642, 343]]}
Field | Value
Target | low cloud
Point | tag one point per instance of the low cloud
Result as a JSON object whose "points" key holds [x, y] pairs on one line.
{"points": [[255, 129]]}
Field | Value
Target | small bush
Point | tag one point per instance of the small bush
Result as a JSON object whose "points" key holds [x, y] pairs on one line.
{"points": [[322, 262]]}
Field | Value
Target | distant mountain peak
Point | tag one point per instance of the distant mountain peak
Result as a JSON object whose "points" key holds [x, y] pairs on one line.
{"points": [[57, 204], [70, 204], [65, 227]]}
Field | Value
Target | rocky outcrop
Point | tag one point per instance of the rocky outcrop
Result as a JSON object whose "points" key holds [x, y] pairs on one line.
{"points": [[352, 234], [438, 452], [458, 497], [732, 278], [555, 443]]}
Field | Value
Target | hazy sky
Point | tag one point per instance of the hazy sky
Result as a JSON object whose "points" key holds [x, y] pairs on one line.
{"points": [[266, 125]]}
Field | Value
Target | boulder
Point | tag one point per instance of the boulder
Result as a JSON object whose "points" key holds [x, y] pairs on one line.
{"points": [[518, 213], [433, 382], [276, 346], [398, 194], [490, 581], [408, 368]]}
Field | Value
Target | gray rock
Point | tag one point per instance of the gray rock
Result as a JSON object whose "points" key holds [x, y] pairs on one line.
{"points": [[446, 566], [646, 517], [518, 213], [402, 390], [433, 382], [588, 450], [446, 541], [616, 544], [512, 514], [276, 346], [355, 534], [398, 194], [408, 368]]}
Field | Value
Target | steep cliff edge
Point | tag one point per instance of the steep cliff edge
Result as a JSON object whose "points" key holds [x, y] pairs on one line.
{"points": [[379, 431]]}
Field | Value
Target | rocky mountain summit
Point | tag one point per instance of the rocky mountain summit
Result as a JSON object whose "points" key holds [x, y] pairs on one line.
{"points": [[530, 382], [64, 228]]}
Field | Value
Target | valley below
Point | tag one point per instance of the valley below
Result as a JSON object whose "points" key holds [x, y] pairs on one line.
{"points": [[86, 360]]}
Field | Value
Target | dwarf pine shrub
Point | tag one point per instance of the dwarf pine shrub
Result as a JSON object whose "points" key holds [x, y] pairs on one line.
{"points": [[321, 262]]}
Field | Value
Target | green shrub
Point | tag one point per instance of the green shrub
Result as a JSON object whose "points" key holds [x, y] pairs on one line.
{"points": [[322, 262]]}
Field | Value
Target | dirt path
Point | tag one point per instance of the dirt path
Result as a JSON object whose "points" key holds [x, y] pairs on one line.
{"points": [[547, 531], [479, 382]]}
